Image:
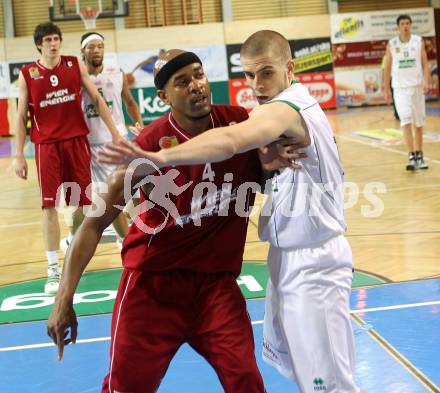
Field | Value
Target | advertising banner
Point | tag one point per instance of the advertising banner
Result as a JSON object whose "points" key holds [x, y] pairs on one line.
{"points": [[241, 94], [4, 80], [356, 87], [151, 106], [139, 65], [370, 52], [14, 70], [378, 25], [312, 55], [320, 84], [359, 53]]}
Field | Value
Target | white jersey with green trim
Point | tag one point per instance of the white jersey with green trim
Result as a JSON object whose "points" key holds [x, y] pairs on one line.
{"points": [[305, 207], [109, 83], [406, 69]]}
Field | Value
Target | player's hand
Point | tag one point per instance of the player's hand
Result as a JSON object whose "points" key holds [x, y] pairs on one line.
{"points": [[61, 320], [426, 88], [387, 95], [117, 139], [281, 154], [125, 152], [136, 129], [21, 168]]}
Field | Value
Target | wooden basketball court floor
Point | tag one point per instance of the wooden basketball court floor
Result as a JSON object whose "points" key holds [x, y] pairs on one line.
{"points": [[393, 219]]}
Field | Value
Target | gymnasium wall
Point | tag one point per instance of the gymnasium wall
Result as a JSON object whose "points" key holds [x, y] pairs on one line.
{"points": [[217, 44]]}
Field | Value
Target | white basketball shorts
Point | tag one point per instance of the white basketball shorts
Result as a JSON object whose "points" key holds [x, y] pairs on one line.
{"points": [[410, 105], [307, 332]]}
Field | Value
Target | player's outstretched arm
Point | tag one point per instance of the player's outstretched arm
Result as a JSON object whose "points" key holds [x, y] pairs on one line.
{"points": [[20, 164], [266, 124], [130, 104], [99, 103], [80, 252]]}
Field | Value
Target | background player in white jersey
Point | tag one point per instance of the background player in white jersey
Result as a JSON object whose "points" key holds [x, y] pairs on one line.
{"points": [[111, 82], [407, 63], [307, 333]]}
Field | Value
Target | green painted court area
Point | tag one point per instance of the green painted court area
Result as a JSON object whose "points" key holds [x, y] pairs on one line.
{"points": [[96, 292]]}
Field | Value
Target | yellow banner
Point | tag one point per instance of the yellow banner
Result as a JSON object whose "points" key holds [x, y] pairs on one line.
{"points": [[314, 60]]}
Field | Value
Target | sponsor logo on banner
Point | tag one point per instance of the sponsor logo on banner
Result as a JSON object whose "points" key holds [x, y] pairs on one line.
{"points": [[321, 86], [312, 55], [152, 107], [349, 27], [359, 53], [235, 70], [241, 94], [379, 25]]}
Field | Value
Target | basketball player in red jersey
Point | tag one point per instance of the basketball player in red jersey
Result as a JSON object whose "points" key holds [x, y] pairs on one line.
{"points": [[179, 279], [49, 89]]}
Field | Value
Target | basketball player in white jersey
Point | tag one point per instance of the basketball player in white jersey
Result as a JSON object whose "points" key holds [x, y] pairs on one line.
{"points": [[407, 63], [111, 82], [307, 329]]}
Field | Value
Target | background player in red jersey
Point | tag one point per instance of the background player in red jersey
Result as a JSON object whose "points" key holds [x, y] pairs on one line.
{"points": [[50, 89], [179, 279]]}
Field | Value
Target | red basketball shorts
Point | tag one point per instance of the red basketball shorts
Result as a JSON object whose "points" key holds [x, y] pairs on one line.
{"points": [[64, 167], [156, 312]]}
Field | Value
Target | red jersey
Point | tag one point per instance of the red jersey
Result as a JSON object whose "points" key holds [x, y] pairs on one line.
{"points": [[55, 100], [205, 234]]}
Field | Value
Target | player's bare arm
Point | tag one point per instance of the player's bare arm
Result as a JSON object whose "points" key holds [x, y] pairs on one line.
{"points": [[99, 103], [387, 75], [265, 125], [130, 104], [426, 70], [20, 164], [63, 317]]}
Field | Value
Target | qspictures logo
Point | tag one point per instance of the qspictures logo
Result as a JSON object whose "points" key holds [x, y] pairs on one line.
{"points": [[349, 27]]}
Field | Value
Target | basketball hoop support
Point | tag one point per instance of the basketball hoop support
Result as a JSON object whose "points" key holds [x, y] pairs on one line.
{"points": [[89, 14]]}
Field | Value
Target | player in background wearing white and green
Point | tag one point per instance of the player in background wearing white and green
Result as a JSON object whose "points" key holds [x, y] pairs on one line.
{"points": [[407, 63], [111, 82]]}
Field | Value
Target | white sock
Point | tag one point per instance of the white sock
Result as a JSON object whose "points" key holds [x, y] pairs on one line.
{"points": [[52, 258], [70, 237]]}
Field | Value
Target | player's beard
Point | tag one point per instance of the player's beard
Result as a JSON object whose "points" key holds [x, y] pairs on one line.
{"points": [[201, 117], [97, 62]]}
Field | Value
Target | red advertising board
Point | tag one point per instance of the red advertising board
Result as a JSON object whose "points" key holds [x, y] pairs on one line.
{"points": [[320, 84], [359, 53], [370, 52], [241, 94], [4, 123]]}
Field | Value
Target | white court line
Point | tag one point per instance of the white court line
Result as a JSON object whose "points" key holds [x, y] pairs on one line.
{"points": [[390, 149], [51, 344], [260, 322], [19, 224], [396, 307]]}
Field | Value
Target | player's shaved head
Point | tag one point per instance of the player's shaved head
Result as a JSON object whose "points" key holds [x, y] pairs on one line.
{"points": [[266, 42]]}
